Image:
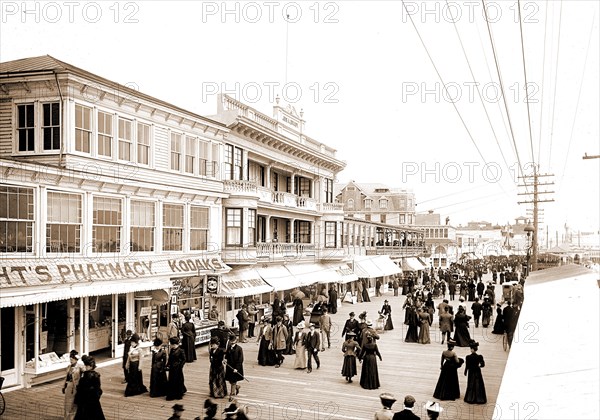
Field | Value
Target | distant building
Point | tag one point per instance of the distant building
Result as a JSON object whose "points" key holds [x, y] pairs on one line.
{"points": [[440, 240]]}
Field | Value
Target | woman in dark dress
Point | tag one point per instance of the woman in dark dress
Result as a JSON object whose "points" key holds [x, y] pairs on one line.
{"points": [[289, 342], [386, 311], [447, 387], [135, 383], [486, 312], [176, 385], [188, 344], [89, 391], [412, 335], [158, 373], [365, 291], [499, 324], [475, 393], [350, 349], [266, 354], [216, 375], [461, 328], [298, 311], [408, 302], [369, 375]]}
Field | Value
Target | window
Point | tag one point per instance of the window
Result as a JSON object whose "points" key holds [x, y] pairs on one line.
{"points": [[190, 154], [445, 233], [172, 227], [368, 203], [106, 228], [51, 126], [303, 187], [256, 173], [410, 219], [330, 234], [368, 217], [105, 134], [350, 203], [16, 219], [142, 226], [252, 227], [328, 190], [26, 128], [402, 219], [301, 232], [410, 204], [63, 228], [175, 151], [143, 144], [199, 228], [205, 165], [233, 226], [125, 139], [384, 218], [233, 162], [383, 203], [83, 128], [403, 203]]}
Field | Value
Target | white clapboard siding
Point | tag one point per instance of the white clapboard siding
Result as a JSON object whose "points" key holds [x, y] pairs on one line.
{"points": [[161, 148], [6, 128]]}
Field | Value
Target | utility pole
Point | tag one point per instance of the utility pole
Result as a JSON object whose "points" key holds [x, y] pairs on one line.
{"points": [[533, 181]]}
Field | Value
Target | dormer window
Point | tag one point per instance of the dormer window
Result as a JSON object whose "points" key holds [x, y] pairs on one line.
{"points": [[368, 203], [383, 203], [350, 203]]}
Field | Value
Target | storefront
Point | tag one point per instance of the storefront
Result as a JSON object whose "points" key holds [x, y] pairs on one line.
{"points": [[83, 304]]}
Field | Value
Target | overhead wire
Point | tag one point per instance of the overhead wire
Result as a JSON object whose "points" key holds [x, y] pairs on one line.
{"points": [[543, 83], [526, 84], [478, 90], [578, 99], [502, 90], [555, 84]]}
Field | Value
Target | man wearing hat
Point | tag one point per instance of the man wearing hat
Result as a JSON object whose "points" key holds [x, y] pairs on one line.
{"points": [[368, 331], [433, 409], [350, 325], [176, 384], [385, 413], [407, 412], [213, 314], [235, 412], [127, 346], [312, 342], [177, 412], [234, 371]]}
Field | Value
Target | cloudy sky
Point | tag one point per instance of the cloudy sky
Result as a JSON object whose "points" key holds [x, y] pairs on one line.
{"points": [[370, 78]]}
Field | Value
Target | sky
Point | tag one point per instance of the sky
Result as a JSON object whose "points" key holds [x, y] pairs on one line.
{"points": [[370, 78]]}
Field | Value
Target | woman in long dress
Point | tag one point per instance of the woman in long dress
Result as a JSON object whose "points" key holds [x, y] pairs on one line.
{"points": [[350, 349], [158, 373], [499, 324], [300, 359], [89, 391], [135, 382], [216, 375], [461, 328], [475, 393], [486, 312], [369, 376], [424, 320], [298, 310], [447, 387], [70, 385], [412, 334], [188, 343], [266, 354], [386, 311], [408, 302], [289, 342]]}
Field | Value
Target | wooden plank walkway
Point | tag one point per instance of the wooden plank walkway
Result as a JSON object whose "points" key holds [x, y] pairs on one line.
{"points": [[285, 393]]}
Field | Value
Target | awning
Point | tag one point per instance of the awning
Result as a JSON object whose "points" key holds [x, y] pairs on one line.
{"points": [[312, 273], [21, 296], [365, 267], [386, 265], [279, 277], [423, 263], [243, 281], [343, 271], [412, 264]]}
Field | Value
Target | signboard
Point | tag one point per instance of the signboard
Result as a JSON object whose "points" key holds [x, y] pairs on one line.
{"points": [[145, 311], [212, 284]]}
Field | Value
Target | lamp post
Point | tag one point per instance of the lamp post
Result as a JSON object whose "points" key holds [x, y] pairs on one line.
{"points": [[529, 229]]}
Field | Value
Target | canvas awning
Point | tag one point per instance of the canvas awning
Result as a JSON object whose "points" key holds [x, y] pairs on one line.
{"points": [[343, 271], [365, 267], [279, 277], [243, 281], [412, 264], [386, 265], [313, 273]]}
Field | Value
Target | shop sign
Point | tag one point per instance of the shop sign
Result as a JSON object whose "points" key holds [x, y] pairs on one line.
{"points": [[212, 284]]}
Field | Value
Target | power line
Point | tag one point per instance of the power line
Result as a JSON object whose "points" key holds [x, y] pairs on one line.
{"points": [[543, 78], [525, 77], [578, 98], [502, 86], [555, 83]]}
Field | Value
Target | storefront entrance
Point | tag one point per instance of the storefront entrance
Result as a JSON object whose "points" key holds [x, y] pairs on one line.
{"points": [[8, 345]]}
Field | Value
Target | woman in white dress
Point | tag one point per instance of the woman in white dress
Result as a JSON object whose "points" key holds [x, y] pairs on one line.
{"points": [[300, 360]]}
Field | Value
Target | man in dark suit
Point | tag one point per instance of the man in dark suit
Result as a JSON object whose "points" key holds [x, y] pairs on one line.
{"points": [[234, 369], [333, 297], [510, 321], [312, 342], [407, 413], [476, 309]]}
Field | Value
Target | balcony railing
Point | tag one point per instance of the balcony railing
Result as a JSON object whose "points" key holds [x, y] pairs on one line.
{"points": [[239, 186], [306, 203], [283, 250], [402, 251], [330, 207]]}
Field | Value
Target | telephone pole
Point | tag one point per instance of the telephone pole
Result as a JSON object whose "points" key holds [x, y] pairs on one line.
{"points": [[534, 181]]}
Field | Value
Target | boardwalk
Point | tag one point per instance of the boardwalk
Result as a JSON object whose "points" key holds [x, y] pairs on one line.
{"points": [[276, 394]]}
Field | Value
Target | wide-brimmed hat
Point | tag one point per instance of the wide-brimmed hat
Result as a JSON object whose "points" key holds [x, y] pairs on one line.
{"points": [[178, 407], [232, 409], [352, 314], [433, 406], [369, 322], [301, 325], [350, 334], [451, 342], [387, 399], [311, 325]]}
